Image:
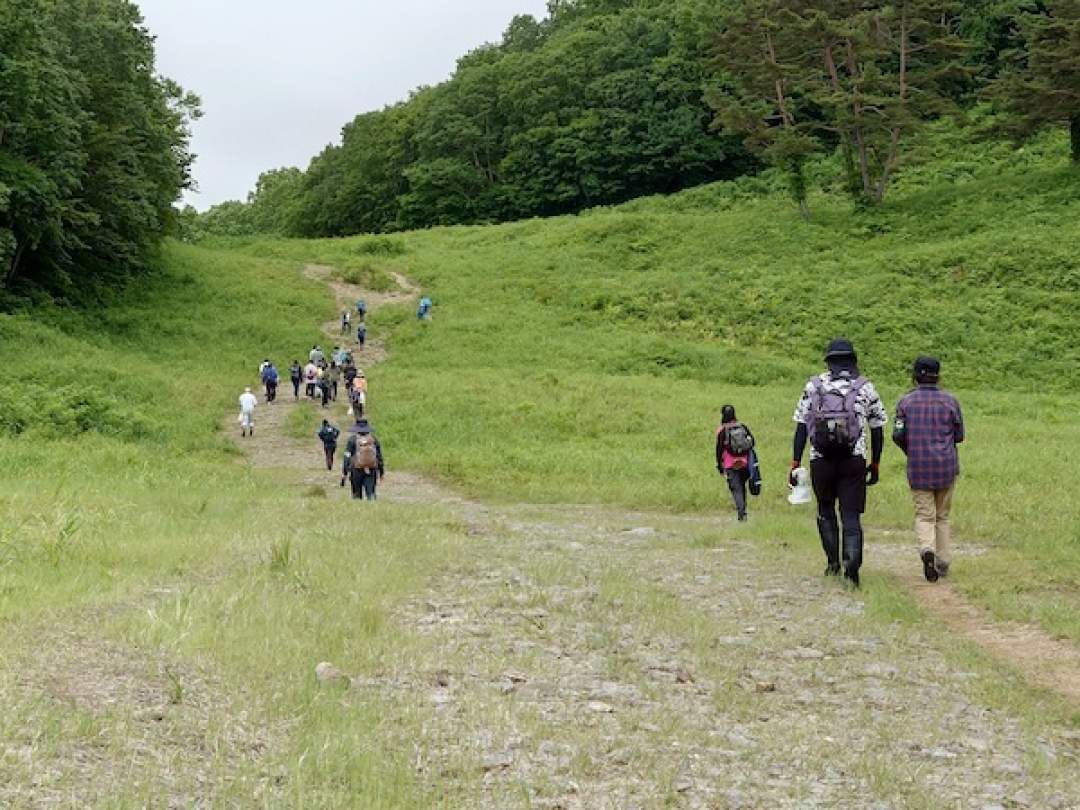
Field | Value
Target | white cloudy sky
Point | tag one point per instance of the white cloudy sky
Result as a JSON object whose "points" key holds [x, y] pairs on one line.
{"points": [[279, 78]]}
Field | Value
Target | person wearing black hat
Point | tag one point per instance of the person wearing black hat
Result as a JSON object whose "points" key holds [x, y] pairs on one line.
{"points": [[363, 461], [835, 414], [928, 427]]}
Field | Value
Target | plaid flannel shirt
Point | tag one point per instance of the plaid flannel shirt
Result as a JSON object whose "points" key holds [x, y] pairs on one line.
{"points": [[928, 427]]}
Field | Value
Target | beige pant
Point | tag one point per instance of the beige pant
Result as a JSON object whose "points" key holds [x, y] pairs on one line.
{"points": [[932, 508]]}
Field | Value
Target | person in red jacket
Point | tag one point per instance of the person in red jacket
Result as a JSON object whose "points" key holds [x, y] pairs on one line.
{"points": [[734, 445]]}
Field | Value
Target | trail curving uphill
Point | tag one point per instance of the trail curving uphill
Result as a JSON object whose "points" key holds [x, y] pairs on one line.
{"points": [[585, 657]]}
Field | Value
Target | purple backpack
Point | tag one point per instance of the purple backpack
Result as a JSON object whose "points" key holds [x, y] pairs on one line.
{"points": [[834, 425]]}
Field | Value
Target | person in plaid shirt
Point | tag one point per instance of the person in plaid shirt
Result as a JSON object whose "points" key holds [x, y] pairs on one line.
{"points": [[929, 425]]}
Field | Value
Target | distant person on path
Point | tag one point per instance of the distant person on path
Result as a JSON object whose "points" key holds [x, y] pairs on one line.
{"points": [[324, 387], [734, 444], [423, 312], [363, 461], [358, 394], [270, 379], [328, 435], [836, 411], [316, 355], [296, 374], [248, 401], [361, 334], [346, 322], [334, 374], [311, 379], [361, 308], [928, 427], [349, 373]]}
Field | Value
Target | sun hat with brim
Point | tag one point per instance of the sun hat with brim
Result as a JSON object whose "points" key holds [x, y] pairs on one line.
{"points": [[841, 347]]}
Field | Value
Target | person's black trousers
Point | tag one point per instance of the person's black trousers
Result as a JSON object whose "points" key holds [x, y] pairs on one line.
{"points": [[364, 483], [737, 481], [841, 481], [330, 449]]}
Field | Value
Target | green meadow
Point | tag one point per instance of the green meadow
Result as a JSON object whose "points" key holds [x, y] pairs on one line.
{"points": [[578, 360], [586, 358]]}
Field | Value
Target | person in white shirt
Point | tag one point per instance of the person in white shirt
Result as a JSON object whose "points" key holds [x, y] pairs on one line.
{"points": [[248, 401]]}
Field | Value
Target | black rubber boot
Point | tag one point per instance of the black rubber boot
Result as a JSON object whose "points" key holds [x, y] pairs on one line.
{"points": [[853, 548], [929, 563], [830, 543]]}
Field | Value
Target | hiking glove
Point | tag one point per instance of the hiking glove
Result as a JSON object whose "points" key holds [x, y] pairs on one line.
{"points": [[872, 475], [791, 475]]}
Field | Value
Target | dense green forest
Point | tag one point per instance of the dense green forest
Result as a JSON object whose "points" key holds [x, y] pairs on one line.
{"points": [[607, 100], [93, 145]]}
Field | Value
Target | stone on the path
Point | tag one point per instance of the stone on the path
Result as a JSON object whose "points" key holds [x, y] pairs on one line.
{"points": [[441, 697], [600, 707], [325, 672], [499, 761], [682, 784]]}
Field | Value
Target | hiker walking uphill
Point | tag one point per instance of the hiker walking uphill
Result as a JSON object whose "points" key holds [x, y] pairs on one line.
{"points": [[928, 427], [363, 462], [248, 401], [835, 413], [328, 435], [270, 379], [346, 322], [296, 375], [734, 453], [423, 311]]}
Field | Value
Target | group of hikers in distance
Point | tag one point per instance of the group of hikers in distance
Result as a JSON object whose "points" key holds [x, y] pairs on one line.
{"points": [[839, 416], [363, 466], [842, 418]]}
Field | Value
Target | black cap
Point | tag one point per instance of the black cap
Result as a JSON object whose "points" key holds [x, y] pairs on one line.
{"points": [[840, 347], [927, 369]]}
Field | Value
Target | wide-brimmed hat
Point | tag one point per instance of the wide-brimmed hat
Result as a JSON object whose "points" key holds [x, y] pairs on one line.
{"points": [[840, 347]]}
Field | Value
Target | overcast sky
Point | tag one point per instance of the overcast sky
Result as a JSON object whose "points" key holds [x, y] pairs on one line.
{"points": [[279, 78]]}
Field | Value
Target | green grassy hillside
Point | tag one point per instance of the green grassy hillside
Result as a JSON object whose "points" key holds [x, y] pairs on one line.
{"points": [[586, 358]]}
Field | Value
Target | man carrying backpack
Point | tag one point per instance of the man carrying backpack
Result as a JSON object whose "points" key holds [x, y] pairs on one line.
{"points": [[363, 461], [928, 427], [328, 435], [835, 413], [270, 380], [734, 444]]}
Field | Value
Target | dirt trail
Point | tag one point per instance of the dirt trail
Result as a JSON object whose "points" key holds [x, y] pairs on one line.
{"points": [[587, 657], [1044, 660]]}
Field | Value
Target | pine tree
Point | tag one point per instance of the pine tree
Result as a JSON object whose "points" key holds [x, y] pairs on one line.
{"points": [[862, 74], [1041, 85]]}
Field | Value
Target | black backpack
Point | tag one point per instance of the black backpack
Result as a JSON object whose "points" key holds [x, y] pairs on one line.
{"points": [[737, 439]]}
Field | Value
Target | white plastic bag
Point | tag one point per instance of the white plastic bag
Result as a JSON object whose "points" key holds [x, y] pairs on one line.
{"points": [[801, 493]]}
